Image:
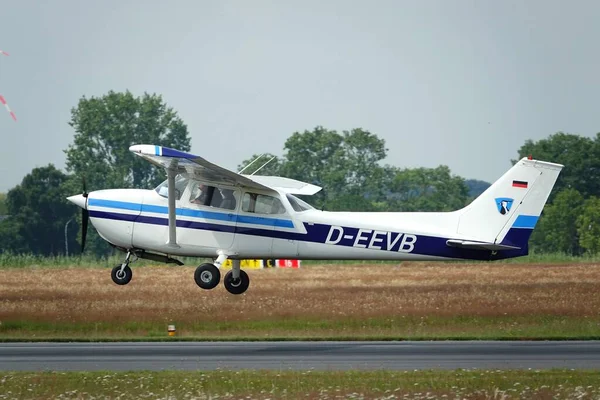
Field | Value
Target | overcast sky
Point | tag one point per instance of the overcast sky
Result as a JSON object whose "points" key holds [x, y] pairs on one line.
{"points": [[454, 82]]}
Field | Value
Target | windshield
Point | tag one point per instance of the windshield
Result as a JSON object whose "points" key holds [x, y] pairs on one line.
{"points": [[180, 185], [299, 205]]}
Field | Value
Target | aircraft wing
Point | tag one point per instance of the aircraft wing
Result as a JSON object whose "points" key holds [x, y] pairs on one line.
{"points": [[204, 169]]}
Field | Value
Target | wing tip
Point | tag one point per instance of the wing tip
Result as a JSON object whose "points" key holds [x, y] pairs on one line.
{"points": [[156, 150]]}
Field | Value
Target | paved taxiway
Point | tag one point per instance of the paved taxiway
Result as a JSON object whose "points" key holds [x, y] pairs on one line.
{"points": [[298, 355]]}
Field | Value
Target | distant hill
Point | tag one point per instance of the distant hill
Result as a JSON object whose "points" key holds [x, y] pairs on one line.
{"points": [[476, 187]]}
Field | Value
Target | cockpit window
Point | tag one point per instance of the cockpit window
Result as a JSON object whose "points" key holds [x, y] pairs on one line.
{"points": [[180, 185], [299, 205]]}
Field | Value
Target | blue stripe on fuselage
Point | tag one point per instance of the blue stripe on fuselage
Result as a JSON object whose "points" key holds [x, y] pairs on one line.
{"points": [[186, 212], [114, 204]]}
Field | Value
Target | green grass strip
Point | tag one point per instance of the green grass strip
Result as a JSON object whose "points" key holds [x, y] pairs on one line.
{"points": [[497, 384], [534, 327]]}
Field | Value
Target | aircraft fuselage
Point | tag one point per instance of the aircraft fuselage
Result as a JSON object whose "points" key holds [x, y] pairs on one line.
{"points": [[135, 218]]}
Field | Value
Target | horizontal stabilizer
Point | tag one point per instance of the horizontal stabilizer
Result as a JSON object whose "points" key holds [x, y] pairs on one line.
{"points": [[467, 244]]}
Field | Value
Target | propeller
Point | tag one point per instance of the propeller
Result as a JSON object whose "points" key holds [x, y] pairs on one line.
{"points": [[85, 215]]}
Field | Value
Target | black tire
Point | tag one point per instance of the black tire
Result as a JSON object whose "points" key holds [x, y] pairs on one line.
{"points": [[123, 279], [207, 276], [238, 287]]}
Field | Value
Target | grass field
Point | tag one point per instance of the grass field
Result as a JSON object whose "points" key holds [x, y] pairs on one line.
{"points": [[337, 301], [486, 384]]}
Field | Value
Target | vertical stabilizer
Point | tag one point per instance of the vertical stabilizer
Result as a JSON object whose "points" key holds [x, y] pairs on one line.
{"points": [[509, 209]]}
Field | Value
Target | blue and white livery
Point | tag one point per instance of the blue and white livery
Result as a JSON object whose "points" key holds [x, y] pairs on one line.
{"points": [[204, 210]]}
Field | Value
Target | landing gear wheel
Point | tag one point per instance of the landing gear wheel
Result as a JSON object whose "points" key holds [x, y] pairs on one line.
{"points": [[207, 276], [238, 286], [121, 277]]}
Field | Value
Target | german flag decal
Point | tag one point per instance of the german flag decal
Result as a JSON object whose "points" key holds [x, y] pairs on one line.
{"points": [[520, 184]]}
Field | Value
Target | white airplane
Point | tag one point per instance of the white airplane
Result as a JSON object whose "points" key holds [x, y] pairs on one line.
{"points": [[203, 210]]}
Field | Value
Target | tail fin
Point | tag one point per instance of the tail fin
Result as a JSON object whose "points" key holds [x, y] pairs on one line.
{"points": [[507, 211]]}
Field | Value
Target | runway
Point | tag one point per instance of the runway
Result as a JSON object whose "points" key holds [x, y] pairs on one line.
{"points": [[298, 355]]}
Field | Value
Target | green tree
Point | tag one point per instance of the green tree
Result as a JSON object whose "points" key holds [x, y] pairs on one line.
{"points": [[344, 165], [105, 127], [427, 189], [347, 167], [314, 157], [476, 187], [38, 212], [556, 230], [580, 155], [588, 226], [3, 209]]}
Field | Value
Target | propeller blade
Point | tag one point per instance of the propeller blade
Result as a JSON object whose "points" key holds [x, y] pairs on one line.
{"points": [[84, 224], [85, 193]]}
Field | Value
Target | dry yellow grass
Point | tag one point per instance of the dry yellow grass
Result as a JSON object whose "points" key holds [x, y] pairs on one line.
{"points": [[326, 291]]}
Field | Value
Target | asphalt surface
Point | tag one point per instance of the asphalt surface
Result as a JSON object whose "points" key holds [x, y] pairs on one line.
{"points": [[298, 355]]}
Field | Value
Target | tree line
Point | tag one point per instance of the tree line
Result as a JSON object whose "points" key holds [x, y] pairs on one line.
{"points": [[349, 165]]}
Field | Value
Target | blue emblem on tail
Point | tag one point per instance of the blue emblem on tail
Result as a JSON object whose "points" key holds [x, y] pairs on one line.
{"points": [[504, 204]]}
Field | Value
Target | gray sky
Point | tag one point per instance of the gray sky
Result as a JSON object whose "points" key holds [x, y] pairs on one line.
{"points": [[461, 83]]}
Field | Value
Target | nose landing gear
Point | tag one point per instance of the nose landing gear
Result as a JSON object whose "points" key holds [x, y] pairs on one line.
{"points": [[122, 274]]}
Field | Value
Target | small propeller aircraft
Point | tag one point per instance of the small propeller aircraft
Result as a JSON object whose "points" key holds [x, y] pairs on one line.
{"points": [[204, 210]]}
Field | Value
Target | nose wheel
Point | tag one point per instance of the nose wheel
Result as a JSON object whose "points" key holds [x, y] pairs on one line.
{"points": [[121, 275]]}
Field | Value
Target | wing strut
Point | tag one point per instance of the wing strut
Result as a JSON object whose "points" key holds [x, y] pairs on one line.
{"points": [[171, 173]]}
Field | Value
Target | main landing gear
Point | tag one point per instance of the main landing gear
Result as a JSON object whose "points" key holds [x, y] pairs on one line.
{"points": [[208, 275]]}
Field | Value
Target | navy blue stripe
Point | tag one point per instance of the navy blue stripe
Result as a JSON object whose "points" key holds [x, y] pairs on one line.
{"points": [[116, 216], [168, 152]]}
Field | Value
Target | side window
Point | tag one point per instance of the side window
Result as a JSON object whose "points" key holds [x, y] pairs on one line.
{"points": [[201, 194], [212, 196], [229, 202], [261, 204]]}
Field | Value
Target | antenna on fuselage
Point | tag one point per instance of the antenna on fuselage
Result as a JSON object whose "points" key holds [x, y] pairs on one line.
{"points": [[263, 165], [253, 161]]}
